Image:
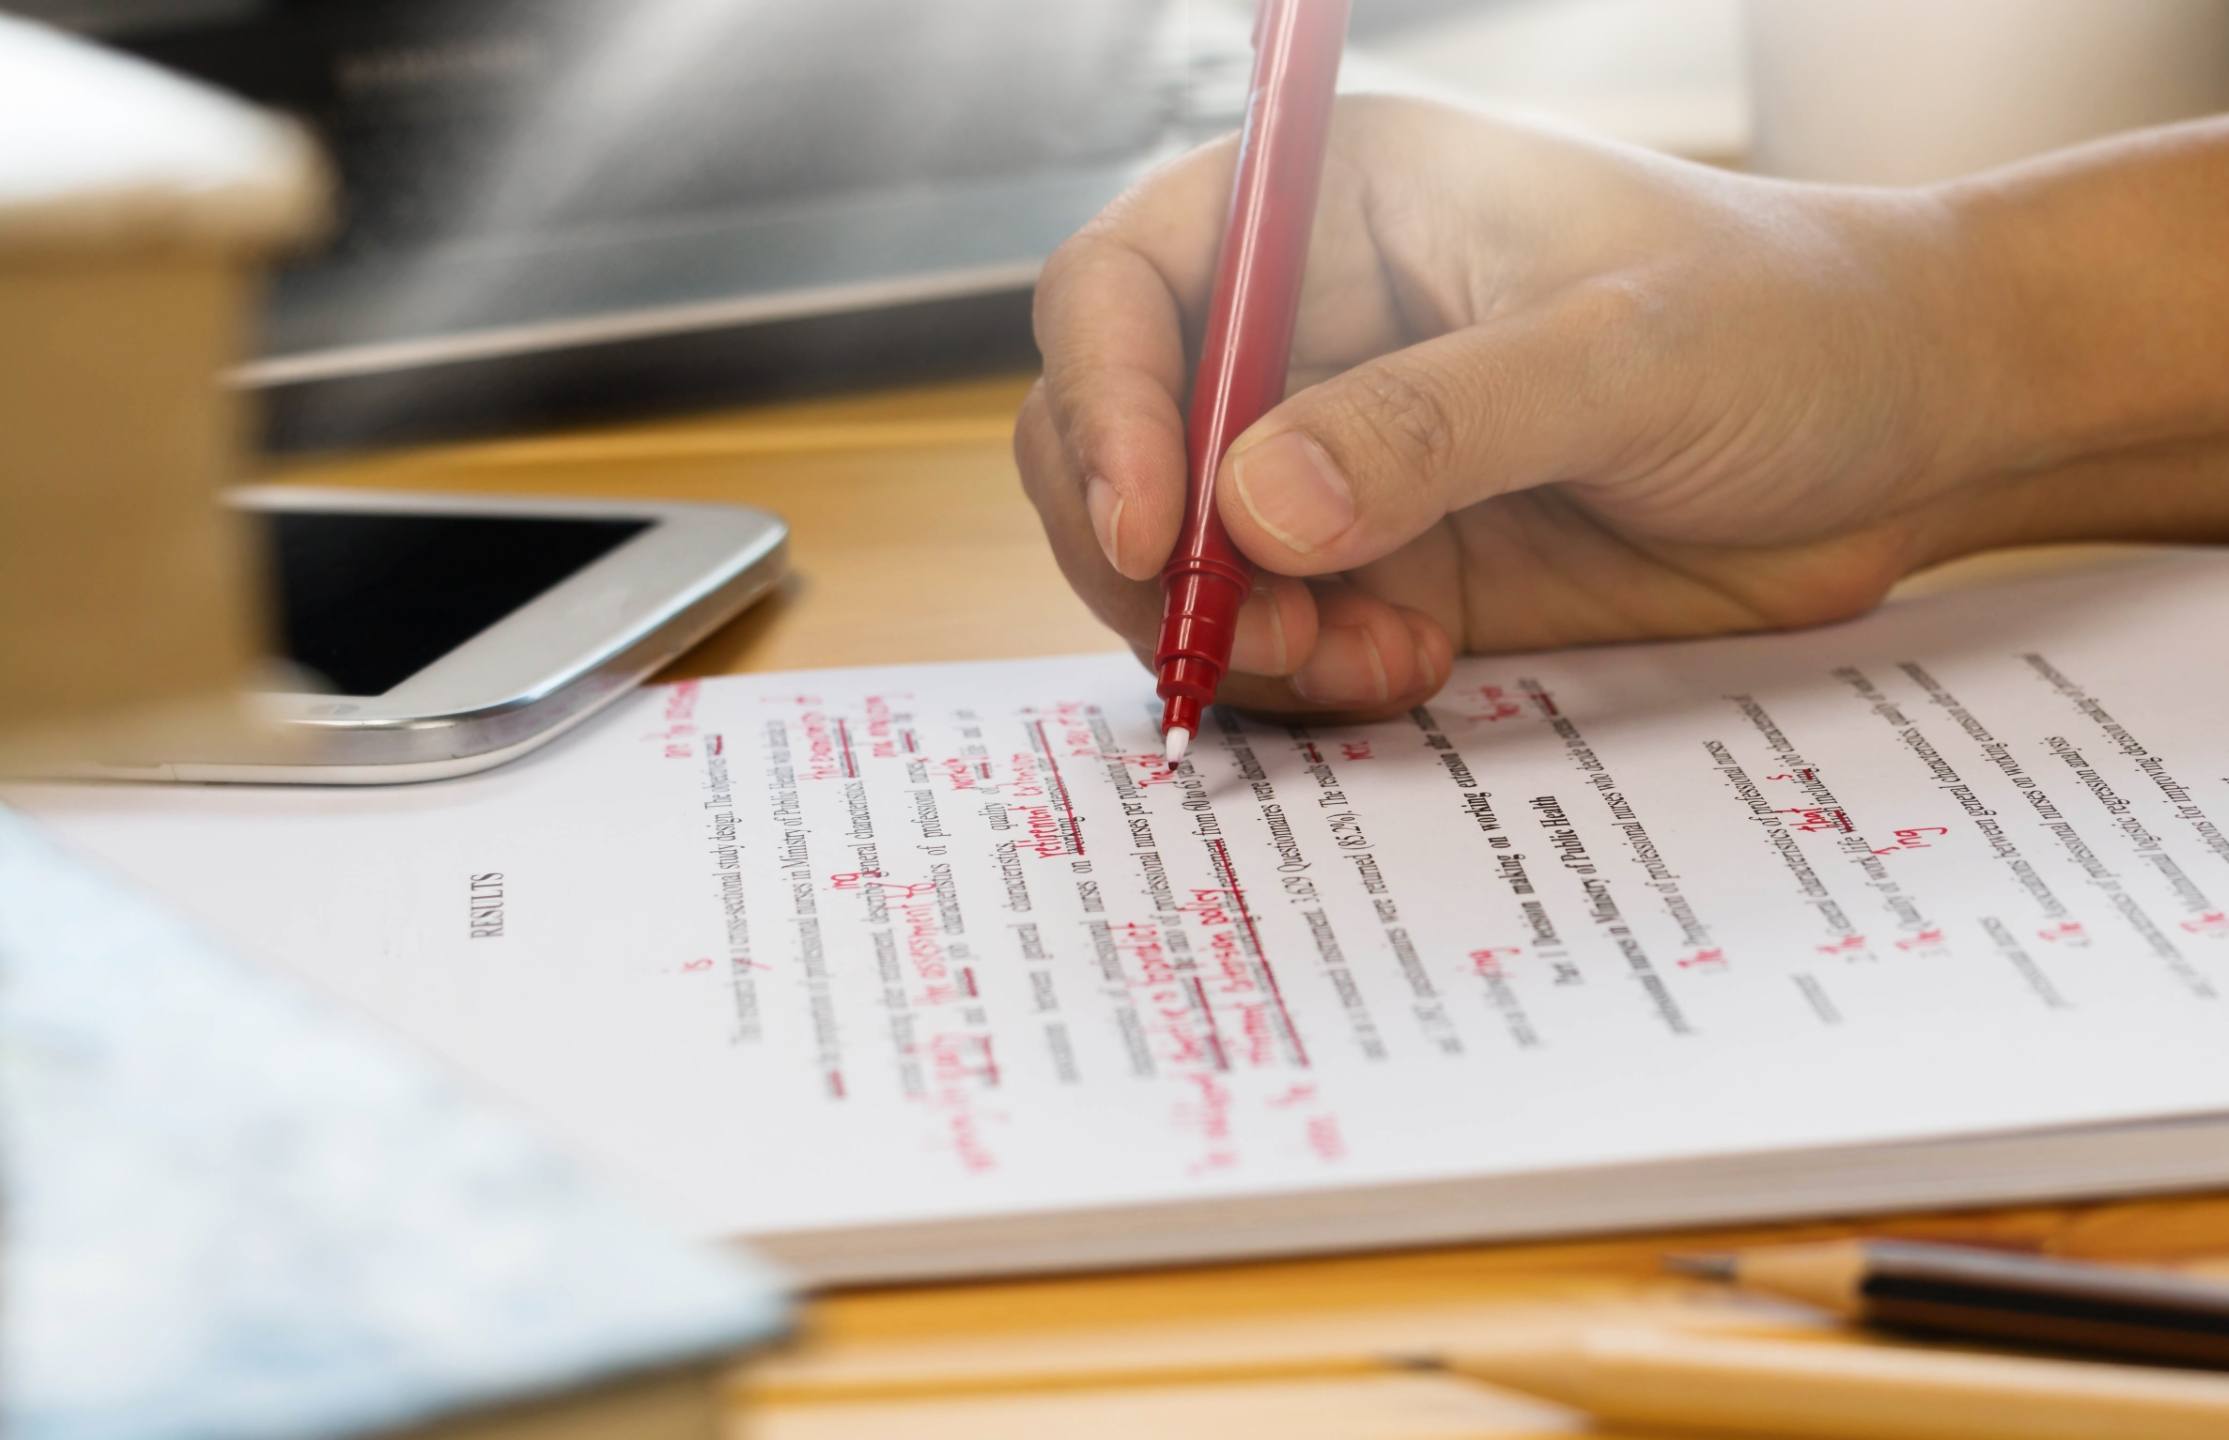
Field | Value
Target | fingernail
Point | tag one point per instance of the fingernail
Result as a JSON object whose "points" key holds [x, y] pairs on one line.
{"points": [[1294, 491], [1105, 505], [1258, 642], [1427, 669], [1344, 669], [1276, 630]]}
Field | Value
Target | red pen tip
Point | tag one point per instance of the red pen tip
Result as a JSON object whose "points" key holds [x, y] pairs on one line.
{"points": [[1180, 712]]}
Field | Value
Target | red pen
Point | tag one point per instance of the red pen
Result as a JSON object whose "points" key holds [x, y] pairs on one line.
{"points": [[1248, 341]]}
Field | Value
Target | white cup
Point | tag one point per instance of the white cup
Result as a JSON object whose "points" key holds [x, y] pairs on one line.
{"points": [[1907, 91]]}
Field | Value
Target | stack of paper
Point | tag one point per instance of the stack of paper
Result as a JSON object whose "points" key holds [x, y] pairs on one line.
{"points": [[938, 970]]}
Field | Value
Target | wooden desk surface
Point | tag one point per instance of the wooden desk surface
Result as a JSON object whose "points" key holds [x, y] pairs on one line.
{"points": [[911, 540]]}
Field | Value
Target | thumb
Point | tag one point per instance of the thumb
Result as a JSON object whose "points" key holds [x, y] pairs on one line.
{"points": [[1347, 471]]}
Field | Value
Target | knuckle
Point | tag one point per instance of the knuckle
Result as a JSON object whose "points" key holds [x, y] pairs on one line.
{"points": [[1619, 300], [1052, 277], [1632, 318], [1028, 418], [1033, 442], [1410, 412]]}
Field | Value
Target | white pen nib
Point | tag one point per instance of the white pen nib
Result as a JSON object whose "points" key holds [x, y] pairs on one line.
{"points": [[1177, 738]]}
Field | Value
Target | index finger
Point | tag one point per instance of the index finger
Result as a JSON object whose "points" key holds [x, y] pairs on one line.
{"points": [[1111, 314]]}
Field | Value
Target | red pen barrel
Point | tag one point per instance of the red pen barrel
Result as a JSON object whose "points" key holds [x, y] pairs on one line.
{"points": [[1204, 595], [1247, 344]]}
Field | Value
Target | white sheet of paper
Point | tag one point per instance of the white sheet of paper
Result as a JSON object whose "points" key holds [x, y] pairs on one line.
{"points": [[870, 947]]}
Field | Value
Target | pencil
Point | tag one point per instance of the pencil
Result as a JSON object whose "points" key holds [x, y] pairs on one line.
{"points": [[1794, 1389], [1991, 1295]]}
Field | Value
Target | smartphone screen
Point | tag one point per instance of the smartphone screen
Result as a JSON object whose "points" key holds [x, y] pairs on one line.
{"points": [[368, 599]]}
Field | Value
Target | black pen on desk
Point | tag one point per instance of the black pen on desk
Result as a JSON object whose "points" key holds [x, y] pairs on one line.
{"points": [[1995, 1295]]}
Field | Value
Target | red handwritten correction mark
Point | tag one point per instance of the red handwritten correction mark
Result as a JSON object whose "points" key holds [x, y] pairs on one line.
{"points": [[1913, 837], [1500, 705], [1491, 962], [1222, 855], [1060, 791]]}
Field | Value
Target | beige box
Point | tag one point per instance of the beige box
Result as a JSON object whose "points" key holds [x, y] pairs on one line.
{"points": [[135, 212]]}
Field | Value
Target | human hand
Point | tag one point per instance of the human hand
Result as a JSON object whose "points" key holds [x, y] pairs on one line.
{"points": [[1544, 392]]}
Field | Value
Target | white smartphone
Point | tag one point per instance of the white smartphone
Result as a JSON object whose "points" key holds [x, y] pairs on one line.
{"points": [[435, 635]]}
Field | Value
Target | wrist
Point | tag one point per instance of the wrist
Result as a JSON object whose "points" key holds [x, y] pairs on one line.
{"points": [[2166, 494], [1991, 442], [2093, 301], [1954, 442], [2081, 414]]}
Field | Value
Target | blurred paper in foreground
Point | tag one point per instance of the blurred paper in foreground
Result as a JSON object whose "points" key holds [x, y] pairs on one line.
{"points": [[232, 1210]]}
